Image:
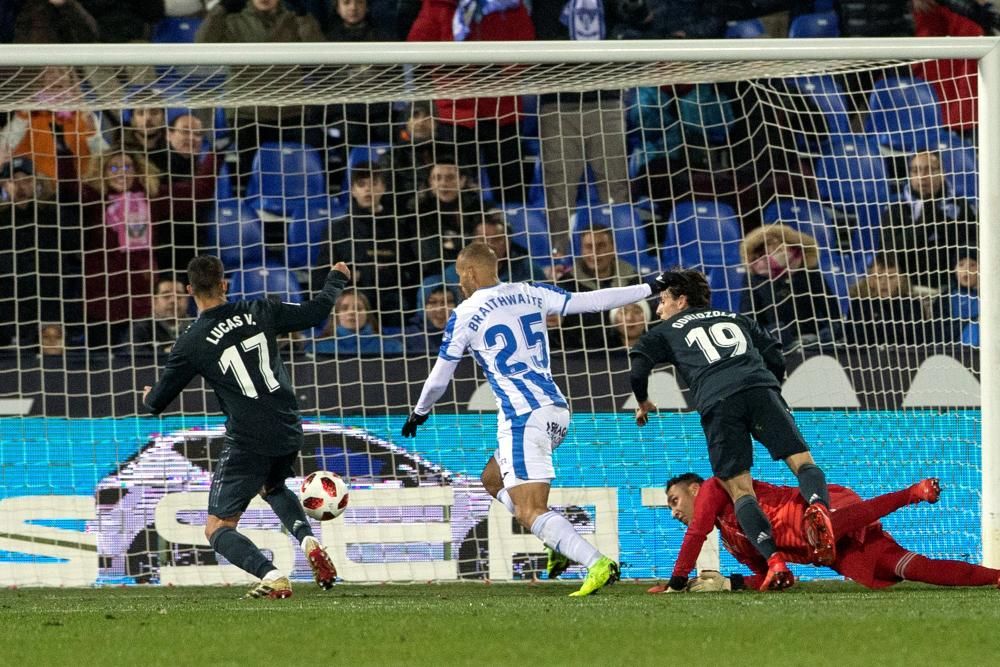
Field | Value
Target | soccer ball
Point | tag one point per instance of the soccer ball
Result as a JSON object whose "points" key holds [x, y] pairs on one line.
{"points": [[324, 495]]}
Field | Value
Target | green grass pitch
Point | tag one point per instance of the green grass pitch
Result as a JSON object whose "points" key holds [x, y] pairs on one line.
{"points": [[512, 624]]}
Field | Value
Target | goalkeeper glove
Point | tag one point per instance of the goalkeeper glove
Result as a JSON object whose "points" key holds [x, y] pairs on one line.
{"points": [[711, 581], [412, 422], [677, 584]]}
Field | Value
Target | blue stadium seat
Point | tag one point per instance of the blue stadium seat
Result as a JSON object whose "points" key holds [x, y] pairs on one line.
{"points": [[175, 30], [824, 5], [728, 287], [305, 233], [287, 178], [960, 165], [970, 334], [827, 96], [625, 224], [749, 29], [904, 114], [531, 230], [803, 215], [257, 281], [851, 176], [702, 234], [820, 24], [236, 233]]}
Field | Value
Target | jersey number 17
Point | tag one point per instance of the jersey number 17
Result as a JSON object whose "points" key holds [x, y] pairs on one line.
{"points": [[232, 360]]}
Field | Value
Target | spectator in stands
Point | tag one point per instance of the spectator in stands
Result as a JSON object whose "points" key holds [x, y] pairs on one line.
{"points": [[263, 21], [598, 266], [39, 255], [146, 134], [788, 295], [156, 335], [119, 263], [349, 22], [54, 22], [188, 194], [515, 264], [484, 130], [413, 151], [366, 237], [630, 322], [959, 308], [426, 328], [579, 128], [59, 143], [352, 331], [929, 227], [884, 310], [442, 214], [125, 22], [52, 340]]}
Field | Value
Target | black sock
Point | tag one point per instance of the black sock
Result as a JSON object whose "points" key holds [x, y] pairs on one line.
{"points": [[755, 525], [288, 508], [812, 484], [241, 552]]}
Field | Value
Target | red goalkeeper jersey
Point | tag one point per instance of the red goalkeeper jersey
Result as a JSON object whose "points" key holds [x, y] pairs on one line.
{"points": [[783, 506]]}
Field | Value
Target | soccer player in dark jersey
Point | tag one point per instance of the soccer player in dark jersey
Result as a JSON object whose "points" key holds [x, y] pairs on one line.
{"points": [[734, 369], [233, 346], [865, 552]]}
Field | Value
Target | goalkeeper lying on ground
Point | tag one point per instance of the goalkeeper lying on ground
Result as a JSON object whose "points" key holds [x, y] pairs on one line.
{"points": [[865, 553]]}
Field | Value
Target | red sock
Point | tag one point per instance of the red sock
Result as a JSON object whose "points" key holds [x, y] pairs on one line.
{"points": [[914, 567], [858, 515]]}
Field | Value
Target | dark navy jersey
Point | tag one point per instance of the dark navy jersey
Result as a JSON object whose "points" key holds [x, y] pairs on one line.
{"points": [[234, 347], [716, 352]]}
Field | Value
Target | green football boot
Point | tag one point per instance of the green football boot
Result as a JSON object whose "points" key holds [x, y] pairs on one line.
{"points": [[557, 563], [604, 573]]}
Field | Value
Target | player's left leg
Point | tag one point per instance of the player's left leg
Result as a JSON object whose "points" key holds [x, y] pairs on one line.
{"points": [[897, 561], [524, 451], [237, 477], [289, 510], [857, 515]]}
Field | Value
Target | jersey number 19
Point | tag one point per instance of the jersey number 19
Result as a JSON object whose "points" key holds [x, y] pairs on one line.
{"points": [[231, 359], [724, 335]]}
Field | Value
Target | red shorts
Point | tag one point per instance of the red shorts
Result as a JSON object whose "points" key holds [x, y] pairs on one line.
{"points": [[872, 562]]}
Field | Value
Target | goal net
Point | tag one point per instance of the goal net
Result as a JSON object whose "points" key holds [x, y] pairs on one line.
{"points": [[829, 191]]}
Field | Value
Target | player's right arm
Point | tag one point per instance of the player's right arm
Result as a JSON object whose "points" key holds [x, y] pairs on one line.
{"points": [[767, 345], [453, 346], [296, 317], [651, 349], [709, 503], [177, 374]]}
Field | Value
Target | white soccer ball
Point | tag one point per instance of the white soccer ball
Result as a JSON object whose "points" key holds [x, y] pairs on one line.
{"points": [[324, 495]]}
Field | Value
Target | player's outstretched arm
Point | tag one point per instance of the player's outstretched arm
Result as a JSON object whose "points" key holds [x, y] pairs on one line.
{"points": [[642, 366], [294, 317], [434, 388], [177, 374], [604, 299]]}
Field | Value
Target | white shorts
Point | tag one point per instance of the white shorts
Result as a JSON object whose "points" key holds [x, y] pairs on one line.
{"points": [[526, 442]]}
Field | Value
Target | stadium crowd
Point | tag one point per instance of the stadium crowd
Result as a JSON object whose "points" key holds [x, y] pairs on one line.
{"points": [[100, 211]]}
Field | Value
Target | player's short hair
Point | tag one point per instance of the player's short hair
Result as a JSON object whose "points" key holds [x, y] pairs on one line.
{"points": [[692, 284], [685, 479], [205, 275], [479, 253]]}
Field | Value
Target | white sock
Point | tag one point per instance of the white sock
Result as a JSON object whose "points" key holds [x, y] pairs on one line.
{"points": [[272, 575], [504, 498], [558, 533]]}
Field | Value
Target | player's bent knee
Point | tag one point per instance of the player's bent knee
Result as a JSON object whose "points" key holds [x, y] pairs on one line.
{"points": [[214, 524]]}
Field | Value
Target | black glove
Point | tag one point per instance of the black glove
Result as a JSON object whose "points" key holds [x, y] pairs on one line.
{"points": [[677, 583], [412, 422], [664, 280], [233, 6]]}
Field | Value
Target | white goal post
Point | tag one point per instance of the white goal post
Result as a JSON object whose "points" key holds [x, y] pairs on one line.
{"points": [[367, 73]]}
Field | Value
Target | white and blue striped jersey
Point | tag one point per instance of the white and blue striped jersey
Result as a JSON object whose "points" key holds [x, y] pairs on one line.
{"points": [[504, 327]]}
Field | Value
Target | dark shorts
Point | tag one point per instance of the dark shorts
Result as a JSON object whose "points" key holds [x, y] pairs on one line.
{"points": [[760, 412], [240, 475]]}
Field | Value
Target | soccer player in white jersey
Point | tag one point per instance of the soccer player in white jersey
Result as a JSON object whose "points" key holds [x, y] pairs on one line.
{"points": [[503, 324]]}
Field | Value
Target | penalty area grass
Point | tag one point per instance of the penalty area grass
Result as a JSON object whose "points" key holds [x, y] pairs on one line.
{"points": [[478, 624]]}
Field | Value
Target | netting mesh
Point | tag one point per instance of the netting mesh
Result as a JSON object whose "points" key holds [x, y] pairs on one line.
{"points": [[833, 201]]}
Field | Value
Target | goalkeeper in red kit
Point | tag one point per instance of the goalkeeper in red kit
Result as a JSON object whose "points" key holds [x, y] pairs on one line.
{"points": [[866, 553]]}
